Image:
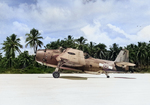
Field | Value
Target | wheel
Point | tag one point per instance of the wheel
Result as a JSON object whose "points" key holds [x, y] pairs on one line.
{"points": [[108, 76], [56, 74]]}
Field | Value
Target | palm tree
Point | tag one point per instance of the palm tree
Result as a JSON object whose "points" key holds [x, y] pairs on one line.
{"points": [[68, 42], [80, 43], [101, 51], [142, 53], [91, 48], [114, 51], [24, 59], [54, 44], [132, 53], [33, 39], [148, 54], [10, 46]]}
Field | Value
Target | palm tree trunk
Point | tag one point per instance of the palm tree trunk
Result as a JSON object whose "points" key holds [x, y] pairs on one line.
{"points": [[147, 62], [34, 49]]}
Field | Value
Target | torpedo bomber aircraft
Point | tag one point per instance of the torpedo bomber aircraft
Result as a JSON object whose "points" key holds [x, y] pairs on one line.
{"points": [[76, 60]]}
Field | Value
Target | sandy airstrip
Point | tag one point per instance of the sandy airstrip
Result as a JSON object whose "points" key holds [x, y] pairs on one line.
{"points": [[74, 89]]}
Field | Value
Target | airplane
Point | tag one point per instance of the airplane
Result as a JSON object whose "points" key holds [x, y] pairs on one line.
{"points": [[76, 60]]}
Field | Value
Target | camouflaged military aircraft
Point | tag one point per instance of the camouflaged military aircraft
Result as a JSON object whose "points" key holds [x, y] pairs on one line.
{"points": [[76, 60]]}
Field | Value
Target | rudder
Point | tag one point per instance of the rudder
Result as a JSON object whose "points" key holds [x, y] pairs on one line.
{"points": [[123, 56]]}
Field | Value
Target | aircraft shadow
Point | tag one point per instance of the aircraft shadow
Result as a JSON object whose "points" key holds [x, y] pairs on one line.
{"points": [[85, 78], [73, 77], [125, 77], [69, 77]]}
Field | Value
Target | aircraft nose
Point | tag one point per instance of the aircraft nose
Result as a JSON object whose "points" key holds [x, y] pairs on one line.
{"points": [[39, 55]]}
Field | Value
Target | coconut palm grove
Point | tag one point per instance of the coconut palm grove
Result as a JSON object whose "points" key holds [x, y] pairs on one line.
{"points": [[24, 63]]}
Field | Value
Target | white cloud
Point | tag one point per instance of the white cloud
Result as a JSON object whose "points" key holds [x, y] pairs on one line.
{"points": [[117, 29], [57, 19], [94, 34], [50, 39], [5, 12], [144, 34], [22, 42], [20, 28]]}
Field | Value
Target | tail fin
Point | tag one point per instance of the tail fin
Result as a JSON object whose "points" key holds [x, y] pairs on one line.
{"points": [[122, 59], [123, 56]]}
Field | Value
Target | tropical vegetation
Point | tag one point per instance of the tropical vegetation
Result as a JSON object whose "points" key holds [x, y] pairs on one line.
{"points": [[25, 63], [33, 39]]}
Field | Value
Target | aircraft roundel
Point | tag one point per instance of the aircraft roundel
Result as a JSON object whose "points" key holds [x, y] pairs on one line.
{"points": [[105, 66]]}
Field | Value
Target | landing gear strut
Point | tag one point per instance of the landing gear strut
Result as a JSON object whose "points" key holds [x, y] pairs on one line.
{"points": [[56, 73], [107, 74]]}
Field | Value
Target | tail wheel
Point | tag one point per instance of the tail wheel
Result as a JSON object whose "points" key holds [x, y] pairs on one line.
{"points": [[56, 74]]}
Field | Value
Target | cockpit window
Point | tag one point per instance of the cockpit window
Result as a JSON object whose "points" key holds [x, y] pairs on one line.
{"points": [[55, 51], [71, 53]]}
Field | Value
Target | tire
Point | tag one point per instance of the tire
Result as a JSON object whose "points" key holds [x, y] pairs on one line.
{"points": [[56, 74]]}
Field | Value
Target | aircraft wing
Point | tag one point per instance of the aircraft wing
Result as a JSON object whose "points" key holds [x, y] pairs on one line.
{"points": [[124, 64], [72, 57]]}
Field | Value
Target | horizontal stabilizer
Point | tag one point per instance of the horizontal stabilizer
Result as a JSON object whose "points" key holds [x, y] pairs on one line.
{"points": [[124, 64]]}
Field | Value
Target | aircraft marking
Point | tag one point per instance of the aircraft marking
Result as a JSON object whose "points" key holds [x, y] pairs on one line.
{"points": [[105, 66]]}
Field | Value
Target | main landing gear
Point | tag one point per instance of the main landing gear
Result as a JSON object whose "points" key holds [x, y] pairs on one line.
{"points": [[107, 74], [56, 74]]}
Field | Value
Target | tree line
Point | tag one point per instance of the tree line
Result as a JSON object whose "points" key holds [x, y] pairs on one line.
{"points": [[24, 63]]}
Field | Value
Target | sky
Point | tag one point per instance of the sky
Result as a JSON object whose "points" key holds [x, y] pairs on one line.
{"points": [[101, 21]]}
